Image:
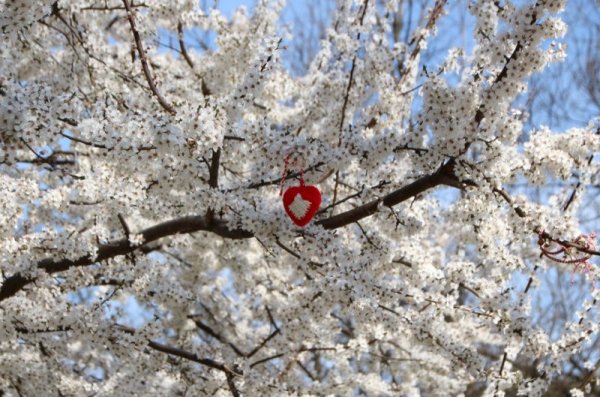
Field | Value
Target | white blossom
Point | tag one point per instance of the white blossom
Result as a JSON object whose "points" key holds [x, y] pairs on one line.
{"points": [[146, 250]]}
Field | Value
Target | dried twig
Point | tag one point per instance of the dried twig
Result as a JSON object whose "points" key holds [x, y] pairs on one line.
{"points": [[184, 52], [144, 61], [345, 104]]}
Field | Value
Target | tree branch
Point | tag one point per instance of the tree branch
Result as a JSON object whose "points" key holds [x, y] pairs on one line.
{"points": [[184, 225], [184, 52], [144, 61], [190, 224], [443, 176], [574, 192], [277, 181], [182, 353], [344, 106], [213, 180]]}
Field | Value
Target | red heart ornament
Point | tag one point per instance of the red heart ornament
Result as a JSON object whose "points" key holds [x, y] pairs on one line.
{"points": [[301, 203]]}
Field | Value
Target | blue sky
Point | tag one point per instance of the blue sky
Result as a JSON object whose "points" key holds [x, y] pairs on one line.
{"points": [[571, 109]]}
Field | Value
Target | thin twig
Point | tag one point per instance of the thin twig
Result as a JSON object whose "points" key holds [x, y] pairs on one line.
{"points": [[277, 181], [182, 353], [574, 192], [344, 106], [207, 329], [502, 364], [263, 343], [79, 140], [213, 179], [264, 360], [144, 61], [306, 371], [350, 197], [366, 235], [108, 8]]}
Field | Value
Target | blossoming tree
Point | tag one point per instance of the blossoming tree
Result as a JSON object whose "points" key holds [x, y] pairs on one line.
{"points": [[138, 177]]}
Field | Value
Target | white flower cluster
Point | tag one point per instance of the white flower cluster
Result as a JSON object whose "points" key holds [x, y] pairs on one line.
{"points": [[145, 247], [19, 14]]}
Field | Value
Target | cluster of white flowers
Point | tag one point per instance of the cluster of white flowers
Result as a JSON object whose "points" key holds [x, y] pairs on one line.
{"points": [[16, 15], [145, 248]]}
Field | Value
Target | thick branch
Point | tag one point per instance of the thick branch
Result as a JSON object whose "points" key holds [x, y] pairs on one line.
{"points": [[191, 224], [443, 176]]}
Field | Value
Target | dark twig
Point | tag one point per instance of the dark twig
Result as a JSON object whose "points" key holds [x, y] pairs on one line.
{"points": [[183, 354], [366, 235], [306, 371], [418, 41], [75, 139], [443, 176], [124, 225], [152, 344], [233, 138], [350, 197], [590, 375], [570, 244], [286, 249], [264, 360], [509, 200], [276, 181], [184, 52], [127, 231], [345, 105], [207, 329], [502, 364], [49, 161], [144, 61], [108, 8], [39, 156], [574, 192], [263, 343], [542, 234], [350, 78], [184, 225], [69, 121], [101, 146], [213, 180], [271, 319]]}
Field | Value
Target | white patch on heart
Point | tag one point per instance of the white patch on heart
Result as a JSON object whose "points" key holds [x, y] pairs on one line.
{"points": [[299, 206]]}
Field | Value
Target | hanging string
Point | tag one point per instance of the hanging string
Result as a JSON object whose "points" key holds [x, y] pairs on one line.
{"points": [[286, 165]]}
